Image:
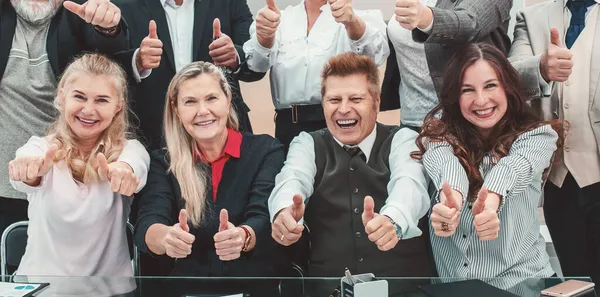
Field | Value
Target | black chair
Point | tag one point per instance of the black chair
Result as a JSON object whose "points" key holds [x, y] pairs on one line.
{"points": [[12, 247]]}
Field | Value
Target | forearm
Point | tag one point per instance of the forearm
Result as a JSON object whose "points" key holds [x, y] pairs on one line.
{"points": [[155, 238], [356, 28]]}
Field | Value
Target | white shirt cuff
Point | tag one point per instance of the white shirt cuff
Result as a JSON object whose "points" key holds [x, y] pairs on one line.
{"points": [[137, 75], [427, 29]]}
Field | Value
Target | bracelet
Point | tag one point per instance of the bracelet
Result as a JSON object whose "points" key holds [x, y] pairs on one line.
{"points": [[112, 31], [247, 238]]}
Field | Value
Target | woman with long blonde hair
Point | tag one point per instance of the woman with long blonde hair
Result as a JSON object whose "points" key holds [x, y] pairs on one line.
{"points": [[80, 177], [206, 199]]}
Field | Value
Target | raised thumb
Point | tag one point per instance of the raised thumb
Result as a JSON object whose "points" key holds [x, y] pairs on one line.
{"points": [[183, 218], [479, 204], [216, 28], [102, 166], [368, 210], [48, 159], [555, 38], [152, 30], [74, 8], [271, 5], [223, 220], [447, 190]]}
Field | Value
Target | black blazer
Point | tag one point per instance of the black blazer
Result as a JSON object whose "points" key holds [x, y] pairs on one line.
{"points": [[68, 37], [244, 190], [149, 95]]}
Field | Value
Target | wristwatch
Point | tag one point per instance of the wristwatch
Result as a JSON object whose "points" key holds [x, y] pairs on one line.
{"points": [[247, 238], [397, 227]]}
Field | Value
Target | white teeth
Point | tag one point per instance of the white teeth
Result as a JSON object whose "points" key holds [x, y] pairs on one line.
{"points": [[205, 123], [346, 122], [87, 121], [484, 111]]}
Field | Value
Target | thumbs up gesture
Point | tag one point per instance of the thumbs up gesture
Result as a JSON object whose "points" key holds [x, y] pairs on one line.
{"points": [[556, 64], [445, 215], [267, 21], [380, 229], [30, 169], [100, 13], [229, 241], [485, 210], [285, 228], [119, 174], [411, 14], [222, 50], [178, 240], [342, 11], [150, 52]]}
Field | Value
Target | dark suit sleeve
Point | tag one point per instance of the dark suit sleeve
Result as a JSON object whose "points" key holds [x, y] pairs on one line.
{"points": [[94, 40], [124, 59], [257, 211], [467, 22], [241, 21], [156, 201], [390, 97]]}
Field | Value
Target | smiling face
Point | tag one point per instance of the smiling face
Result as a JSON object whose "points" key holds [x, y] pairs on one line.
{"points": [[350, 109], [483, 100], [203, 108], [90, 104], [36, 11]]}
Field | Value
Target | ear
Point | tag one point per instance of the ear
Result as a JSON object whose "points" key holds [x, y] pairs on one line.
{"points": [[378, 103], [120, 105], [174, 107]]}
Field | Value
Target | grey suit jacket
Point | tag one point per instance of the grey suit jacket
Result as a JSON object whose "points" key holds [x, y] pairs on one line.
{"points": [[455, 23], [531, 39]]}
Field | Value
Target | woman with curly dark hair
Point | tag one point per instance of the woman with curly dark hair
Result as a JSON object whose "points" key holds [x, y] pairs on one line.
{"points": [[485, 150]]}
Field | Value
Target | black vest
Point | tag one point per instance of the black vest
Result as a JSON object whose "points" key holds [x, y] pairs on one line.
{"points": [[333, 214]]}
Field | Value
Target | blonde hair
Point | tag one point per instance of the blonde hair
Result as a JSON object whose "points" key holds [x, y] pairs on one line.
{"points": [[84, 167], [180, 144]]}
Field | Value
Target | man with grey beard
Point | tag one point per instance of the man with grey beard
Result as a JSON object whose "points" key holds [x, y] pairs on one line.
{"points": [[38, 38]]}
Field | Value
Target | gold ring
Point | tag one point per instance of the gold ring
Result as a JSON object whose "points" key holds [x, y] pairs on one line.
{"points": [[282, 237], [445, 227]]}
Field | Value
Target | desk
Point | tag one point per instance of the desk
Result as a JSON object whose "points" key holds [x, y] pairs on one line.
{"points": [[253, 287]]}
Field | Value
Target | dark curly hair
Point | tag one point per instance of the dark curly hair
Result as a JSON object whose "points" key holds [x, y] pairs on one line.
{"points": [[464, 137]]}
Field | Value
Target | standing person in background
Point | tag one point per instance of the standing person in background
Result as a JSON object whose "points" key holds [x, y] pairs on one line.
{"points": [[556, 51], [296, 43], [79, 179], [174, 33], [486, 155], [37, 41], [424, 35]]}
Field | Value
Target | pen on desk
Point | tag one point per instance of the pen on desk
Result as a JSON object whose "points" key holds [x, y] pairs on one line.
{"points": [[349, 276]]}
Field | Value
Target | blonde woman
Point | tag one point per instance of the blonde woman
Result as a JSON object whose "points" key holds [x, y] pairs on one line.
{"points": [[80, 177], [206, 199]]}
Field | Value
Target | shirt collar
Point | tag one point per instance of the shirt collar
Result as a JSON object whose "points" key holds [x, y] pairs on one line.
{"points": [[366, 145], [566, 1], [232, 146]]}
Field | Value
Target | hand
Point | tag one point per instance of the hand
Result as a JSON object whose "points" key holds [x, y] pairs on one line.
{"points": [[178, 240], [380, 229], [119, 174], [412, 14], [342, 11], [30, 169], [229, 241], [285, 228], [485, 210], [556, 64], [445, 215], [222, 50], [150, 52], [96, 12], [267, 21]]}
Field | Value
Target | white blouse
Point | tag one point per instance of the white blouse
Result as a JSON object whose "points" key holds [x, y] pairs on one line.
{"points": [[77, 229]]}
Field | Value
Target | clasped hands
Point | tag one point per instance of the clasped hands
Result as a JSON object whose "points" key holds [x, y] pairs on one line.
{"points": [[379, 228], [445, 216]]}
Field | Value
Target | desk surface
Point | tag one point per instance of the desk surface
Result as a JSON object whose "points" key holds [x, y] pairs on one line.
{"points": [[251, 287]]}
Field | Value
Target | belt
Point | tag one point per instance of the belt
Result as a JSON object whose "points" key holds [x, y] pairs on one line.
{"points": [[300, 113]]}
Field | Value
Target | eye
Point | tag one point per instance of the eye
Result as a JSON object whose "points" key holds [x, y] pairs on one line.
{"points": [[211, 98], [189, 101], [466, 90], [102, 100], [80, 97], [491, 86], [356, 99], [334, 100]]}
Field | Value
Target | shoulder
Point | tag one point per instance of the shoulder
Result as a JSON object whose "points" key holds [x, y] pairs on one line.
{"points": [[369, 13], [259, 143], [134, 144], [159, 159], [541, 132]]}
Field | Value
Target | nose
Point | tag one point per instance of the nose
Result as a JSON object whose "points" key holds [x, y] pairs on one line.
{"points": [[344, 107], [88, 108], [481, 98], [202, 109]]}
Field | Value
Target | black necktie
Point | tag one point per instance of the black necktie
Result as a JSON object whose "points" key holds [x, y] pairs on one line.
{"points": [[578, 9], [354, 150]]}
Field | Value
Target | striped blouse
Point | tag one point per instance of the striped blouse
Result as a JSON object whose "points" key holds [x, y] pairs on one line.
{"points": [[519, 251]]}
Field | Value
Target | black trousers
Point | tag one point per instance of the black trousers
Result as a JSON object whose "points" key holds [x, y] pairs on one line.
{"points": [[288, 127], [573, 218], [12, 211]]}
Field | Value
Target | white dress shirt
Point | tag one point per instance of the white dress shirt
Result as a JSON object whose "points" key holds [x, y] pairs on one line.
{"points": [[180, 20], [296, 60], [78, 229], [408, 199]]}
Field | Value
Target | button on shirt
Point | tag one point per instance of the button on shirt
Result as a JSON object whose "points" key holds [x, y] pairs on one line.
{"points": [[296, 60], [231, 150]]}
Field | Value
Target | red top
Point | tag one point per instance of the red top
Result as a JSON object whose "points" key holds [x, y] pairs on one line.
{"points": [[232, 149]]}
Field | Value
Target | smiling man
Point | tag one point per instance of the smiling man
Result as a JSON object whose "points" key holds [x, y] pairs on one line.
{"points": [[354, 183]]}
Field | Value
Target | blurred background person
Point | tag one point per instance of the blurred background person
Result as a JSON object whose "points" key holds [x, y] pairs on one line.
{"points": [[486, 156], [555, 50], [296, 43], [80, 177], [424, 35], [38, 40], [205, 204]]}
